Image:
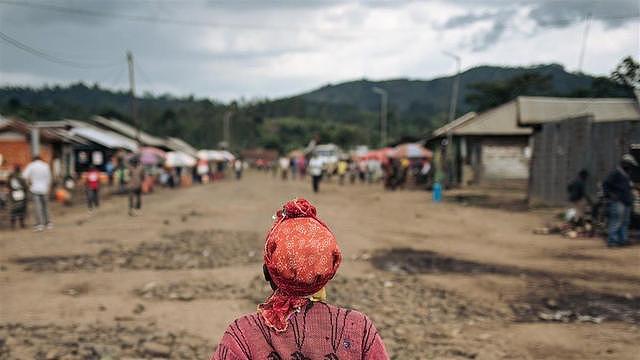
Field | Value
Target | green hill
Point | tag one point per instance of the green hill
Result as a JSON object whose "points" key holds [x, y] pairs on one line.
{"points": [[345, 113], [407, 94]]}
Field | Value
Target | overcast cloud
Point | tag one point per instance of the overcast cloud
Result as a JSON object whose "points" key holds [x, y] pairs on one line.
{"points": [[255, 49]]}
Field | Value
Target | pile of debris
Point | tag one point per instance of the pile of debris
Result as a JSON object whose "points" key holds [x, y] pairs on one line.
{"points": [[568, 229], [185, 250], [98, 341]]}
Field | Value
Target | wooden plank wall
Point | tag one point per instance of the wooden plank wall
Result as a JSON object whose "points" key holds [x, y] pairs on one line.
{"points": [[561, 149]]}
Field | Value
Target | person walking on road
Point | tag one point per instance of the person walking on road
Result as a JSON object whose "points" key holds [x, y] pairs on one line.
{"points": [[301, 255], [343, 167], [617, 191], [315, 170], [92, 184], [38, 175], [284, 167], [17, 187], [135, 187], [238, 167]]}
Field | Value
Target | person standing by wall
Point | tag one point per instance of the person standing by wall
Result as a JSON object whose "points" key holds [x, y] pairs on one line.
{"points": [[92, 184], [617, 190], [17, 197], [135, 187], [38, 175]]}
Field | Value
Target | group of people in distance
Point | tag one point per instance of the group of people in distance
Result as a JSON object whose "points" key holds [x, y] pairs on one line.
{"points": [[35, 182]]}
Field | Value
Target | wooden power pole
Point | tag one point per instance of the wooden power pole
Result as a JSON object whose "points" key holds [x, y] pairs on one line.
{"points": [[132, 93], [226, 128]]}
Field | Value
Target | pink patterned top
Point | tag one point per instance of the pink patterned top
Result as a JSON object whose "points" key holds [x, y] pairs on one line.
{"points": [[319, 331]]}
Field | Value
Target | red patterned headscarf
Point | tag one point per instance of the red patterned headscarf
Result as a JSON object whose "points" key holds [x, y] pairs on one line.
{"points": [[301, 255]]}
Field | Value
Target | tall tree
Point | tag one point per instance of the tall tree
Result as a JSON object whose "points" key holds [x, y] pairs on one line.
{"points": [[627, 73]]}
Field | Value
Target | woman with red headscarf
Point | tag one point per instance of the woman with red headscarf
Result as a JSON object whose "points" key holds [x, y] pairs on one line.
{"points": [[300, 256]]}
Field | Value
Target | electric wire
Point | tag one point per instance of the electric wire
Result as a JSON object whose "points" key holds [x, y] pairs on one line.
{"points": [[195, 23], [41, 54]]}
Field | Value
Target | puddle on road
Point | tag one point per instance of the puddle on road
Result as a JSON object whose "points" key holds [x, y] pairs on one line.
{"points": [[548, 298], [426, 262], [563, 302], [184, 250]]}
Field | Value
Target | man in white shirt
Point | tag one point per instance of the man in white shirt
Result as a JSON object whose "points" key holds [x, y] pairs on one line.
{"points": [[38, 175], [315, 170]]}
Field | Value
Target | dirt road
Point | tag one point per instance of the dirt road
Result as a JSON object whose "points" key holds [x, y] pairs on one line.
{"points": [[439, 280]]}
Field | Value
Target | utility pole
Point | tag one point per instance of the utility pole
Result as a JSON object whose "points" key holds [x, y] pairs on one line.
{"points": [[584, 41], [452, 116], [384, 97], [227, 128], [132, 93]]}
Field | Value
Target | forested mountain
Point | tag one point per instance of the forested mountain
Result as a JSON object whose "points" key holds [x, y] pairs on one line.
{"points": [[345, 113]]}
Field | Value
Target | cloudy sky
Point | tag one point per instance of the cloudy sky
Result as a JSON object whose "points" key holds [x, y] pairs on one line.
{"points": [[260, 48]]}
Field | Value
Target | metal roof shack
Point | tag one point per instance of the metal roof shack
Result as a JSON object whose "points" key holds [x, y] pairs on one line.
{"points": [[492, 144], [486, 147], [17, 146]]}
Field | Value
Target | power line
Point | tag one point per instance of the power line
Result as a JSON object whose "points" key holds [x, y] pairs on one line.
{"points": [[194, 23], [41, 54], [139, 18]]}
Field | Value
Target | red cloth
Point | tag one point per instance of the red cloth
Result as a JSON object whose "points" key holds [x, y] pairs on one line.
{"points": [[301, 255], [93, 179], [318, 332]]}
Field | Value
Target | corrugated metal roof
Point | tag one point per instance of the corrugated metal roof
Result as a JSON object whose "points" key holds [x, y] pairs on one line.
{"points": [[454, 124], [538, 109], [129, 131], [52, 134], [515, 117], [181, 145], [500, 120], [105, 138], [94, 134]]}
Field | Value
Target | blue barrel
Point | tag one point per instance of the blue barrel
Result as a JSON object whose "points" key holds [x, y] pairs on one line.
{"points": [[437, 192]]}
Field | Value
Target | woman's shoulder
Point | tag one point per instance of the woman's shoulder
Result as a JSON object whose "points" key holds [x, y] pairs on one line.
{"points": [[254, 323], [334, 310]]}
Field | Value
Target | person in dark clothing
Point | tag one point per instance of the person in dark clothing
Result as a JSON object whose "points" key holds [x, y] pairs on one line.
{"points": [[617, 191], [578, 196], [17, 197], [135, 187]]}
